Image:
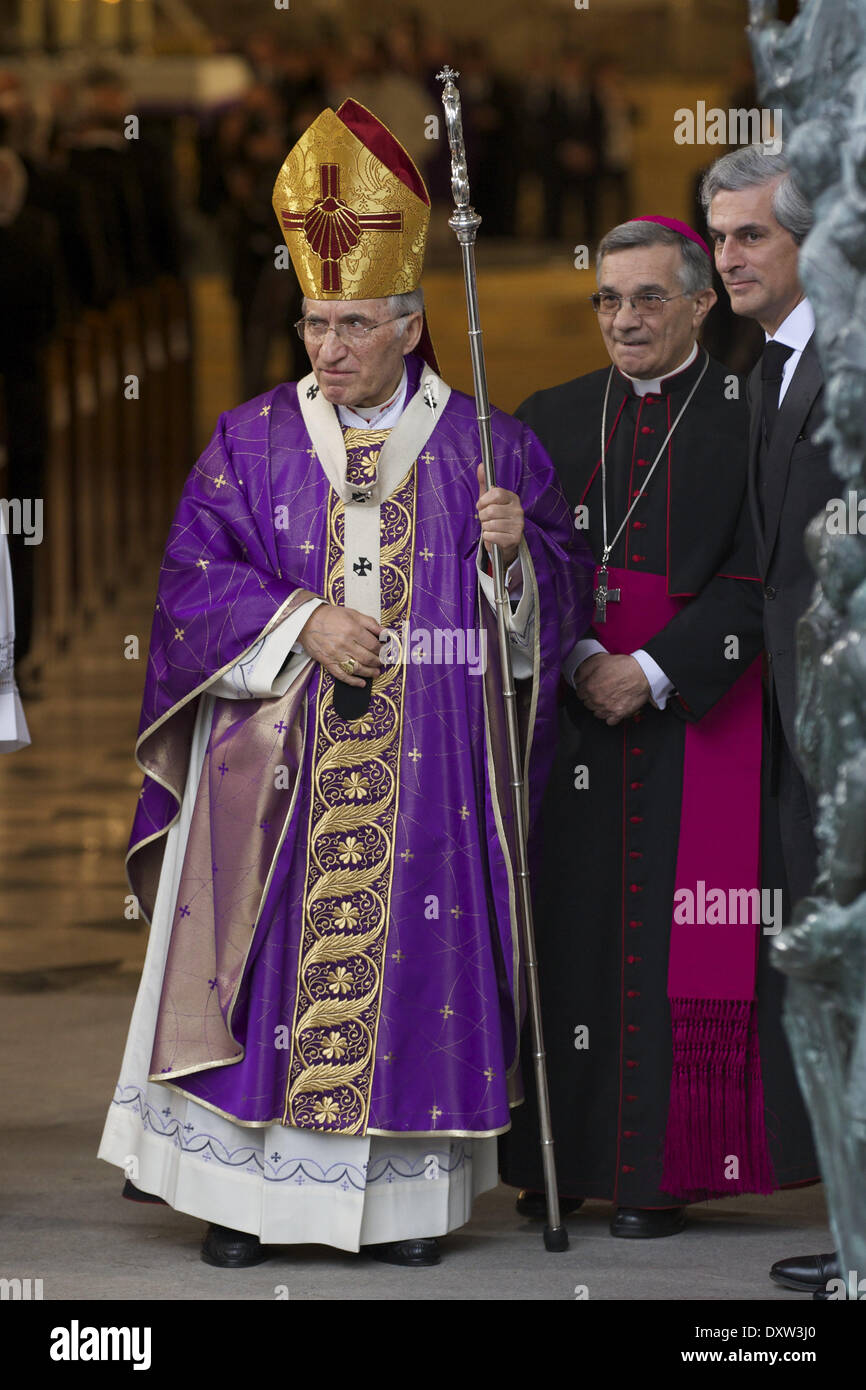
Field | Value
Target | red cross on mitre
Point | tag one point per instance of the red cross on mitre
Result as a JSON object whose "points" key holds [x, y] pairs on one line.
{"points": [[331, 228]]}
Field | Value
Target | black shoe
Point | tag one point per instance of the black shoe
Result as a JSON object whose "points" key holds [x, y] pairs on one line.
{"points": [[228, 1249], [414, 1253], [645, 1223], [805, 1273], [135, 1194], [534, 1204]]}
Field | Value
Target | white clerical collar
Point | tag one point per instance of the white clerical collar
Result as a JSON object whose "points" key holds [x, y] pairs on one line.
{"points": [[796, 330], [376, 417], [643, 387]]}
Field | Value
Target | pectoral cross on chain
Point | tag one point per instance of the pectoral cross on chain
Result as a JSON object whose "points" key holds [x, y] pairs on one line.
{"points": [[603, 595]]}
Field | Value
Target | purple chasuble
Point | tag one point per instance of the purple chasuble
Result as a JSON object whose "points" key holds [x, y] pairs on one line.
{"points": [[344, 952]]}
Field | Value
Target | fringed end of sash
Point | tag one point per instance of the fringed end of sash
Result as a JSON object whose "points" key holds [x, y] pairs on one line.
{"points": [[716, 1138]]}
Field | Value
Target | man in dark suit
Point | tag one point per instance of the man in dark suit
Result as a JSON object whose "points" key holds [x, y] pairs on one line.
{"points": [[757, 219]]}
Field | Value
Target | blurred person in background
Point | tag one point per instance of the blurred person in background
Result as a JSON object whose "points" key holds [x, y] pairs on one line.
{"points": [[573, 122], [436, 49], [29, 292], [132, 179], [98, 155], [268, 296], [300, 85], [619, 115], [491, 125], [82, 274], [397, 97]]}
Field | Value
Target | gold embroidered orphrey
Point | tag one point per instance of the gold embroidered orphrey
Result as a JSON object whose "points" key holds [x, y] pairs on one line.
{"points": [[350, 854], [354, 230]]}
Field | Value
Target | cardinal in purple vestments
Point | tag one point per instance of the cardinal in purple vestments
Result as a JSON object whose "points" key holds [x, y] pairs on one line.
{"points": [[322, 733]]}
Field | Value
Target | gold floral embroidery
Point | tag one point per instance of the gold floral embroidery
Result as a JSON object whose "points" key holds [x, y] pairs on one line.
{"points": [[326, 1110], [362, 455], [353, 811], [355, 786], [336, 1046], [339, 980]]}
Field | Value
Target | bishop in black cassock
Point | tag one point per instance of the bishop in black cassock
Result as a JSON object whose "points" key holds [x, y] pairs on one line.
{"points": [[670, 1075]]}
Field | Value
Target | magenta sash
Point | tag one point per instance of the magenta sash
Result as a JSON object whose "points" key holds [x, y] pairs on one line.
{"points": [[715, 1142]]}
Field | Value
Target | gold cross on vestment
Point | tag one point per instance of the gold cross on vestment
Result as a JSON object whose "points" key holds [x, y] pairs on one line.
{"points": [[332, 229]]}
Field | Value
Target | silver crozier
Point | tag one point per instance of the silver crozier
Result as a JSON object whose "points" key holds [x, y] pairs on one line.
{"points": [[465, 222]]}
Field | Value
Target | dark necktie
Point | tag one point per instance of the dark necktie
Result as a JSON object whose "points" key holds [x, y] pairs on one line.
{"points": [[773, 361]]}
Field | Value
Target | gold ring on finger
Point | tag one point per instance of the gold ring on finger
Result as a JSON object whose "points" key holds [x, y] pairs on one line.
{"points": [[348, 665]]}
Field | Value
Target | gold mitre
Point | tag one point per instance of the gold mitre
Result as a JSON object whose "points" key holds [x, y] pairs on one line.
{"points": [[353, 208]]}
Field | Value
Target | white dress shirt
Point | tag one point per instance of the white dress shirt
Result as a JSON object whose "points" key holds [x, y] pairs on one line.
{"points": [[794, 332]]}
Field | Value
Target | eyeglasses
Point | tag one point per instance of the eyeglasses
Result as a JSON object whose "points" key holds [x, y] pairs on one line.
{"points": [[643, 304], [352, 332]]}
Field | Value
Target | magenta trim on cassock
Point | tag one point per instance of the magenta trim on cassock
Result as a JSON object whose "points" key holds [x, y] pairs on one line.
{"points": [[716, 1100], [720, 843]]}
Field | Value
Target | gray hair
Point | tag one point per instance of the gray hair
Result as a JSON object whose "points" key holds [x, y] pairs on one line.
{"points": [[410, 303], [751, 167], [696, 271]]}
